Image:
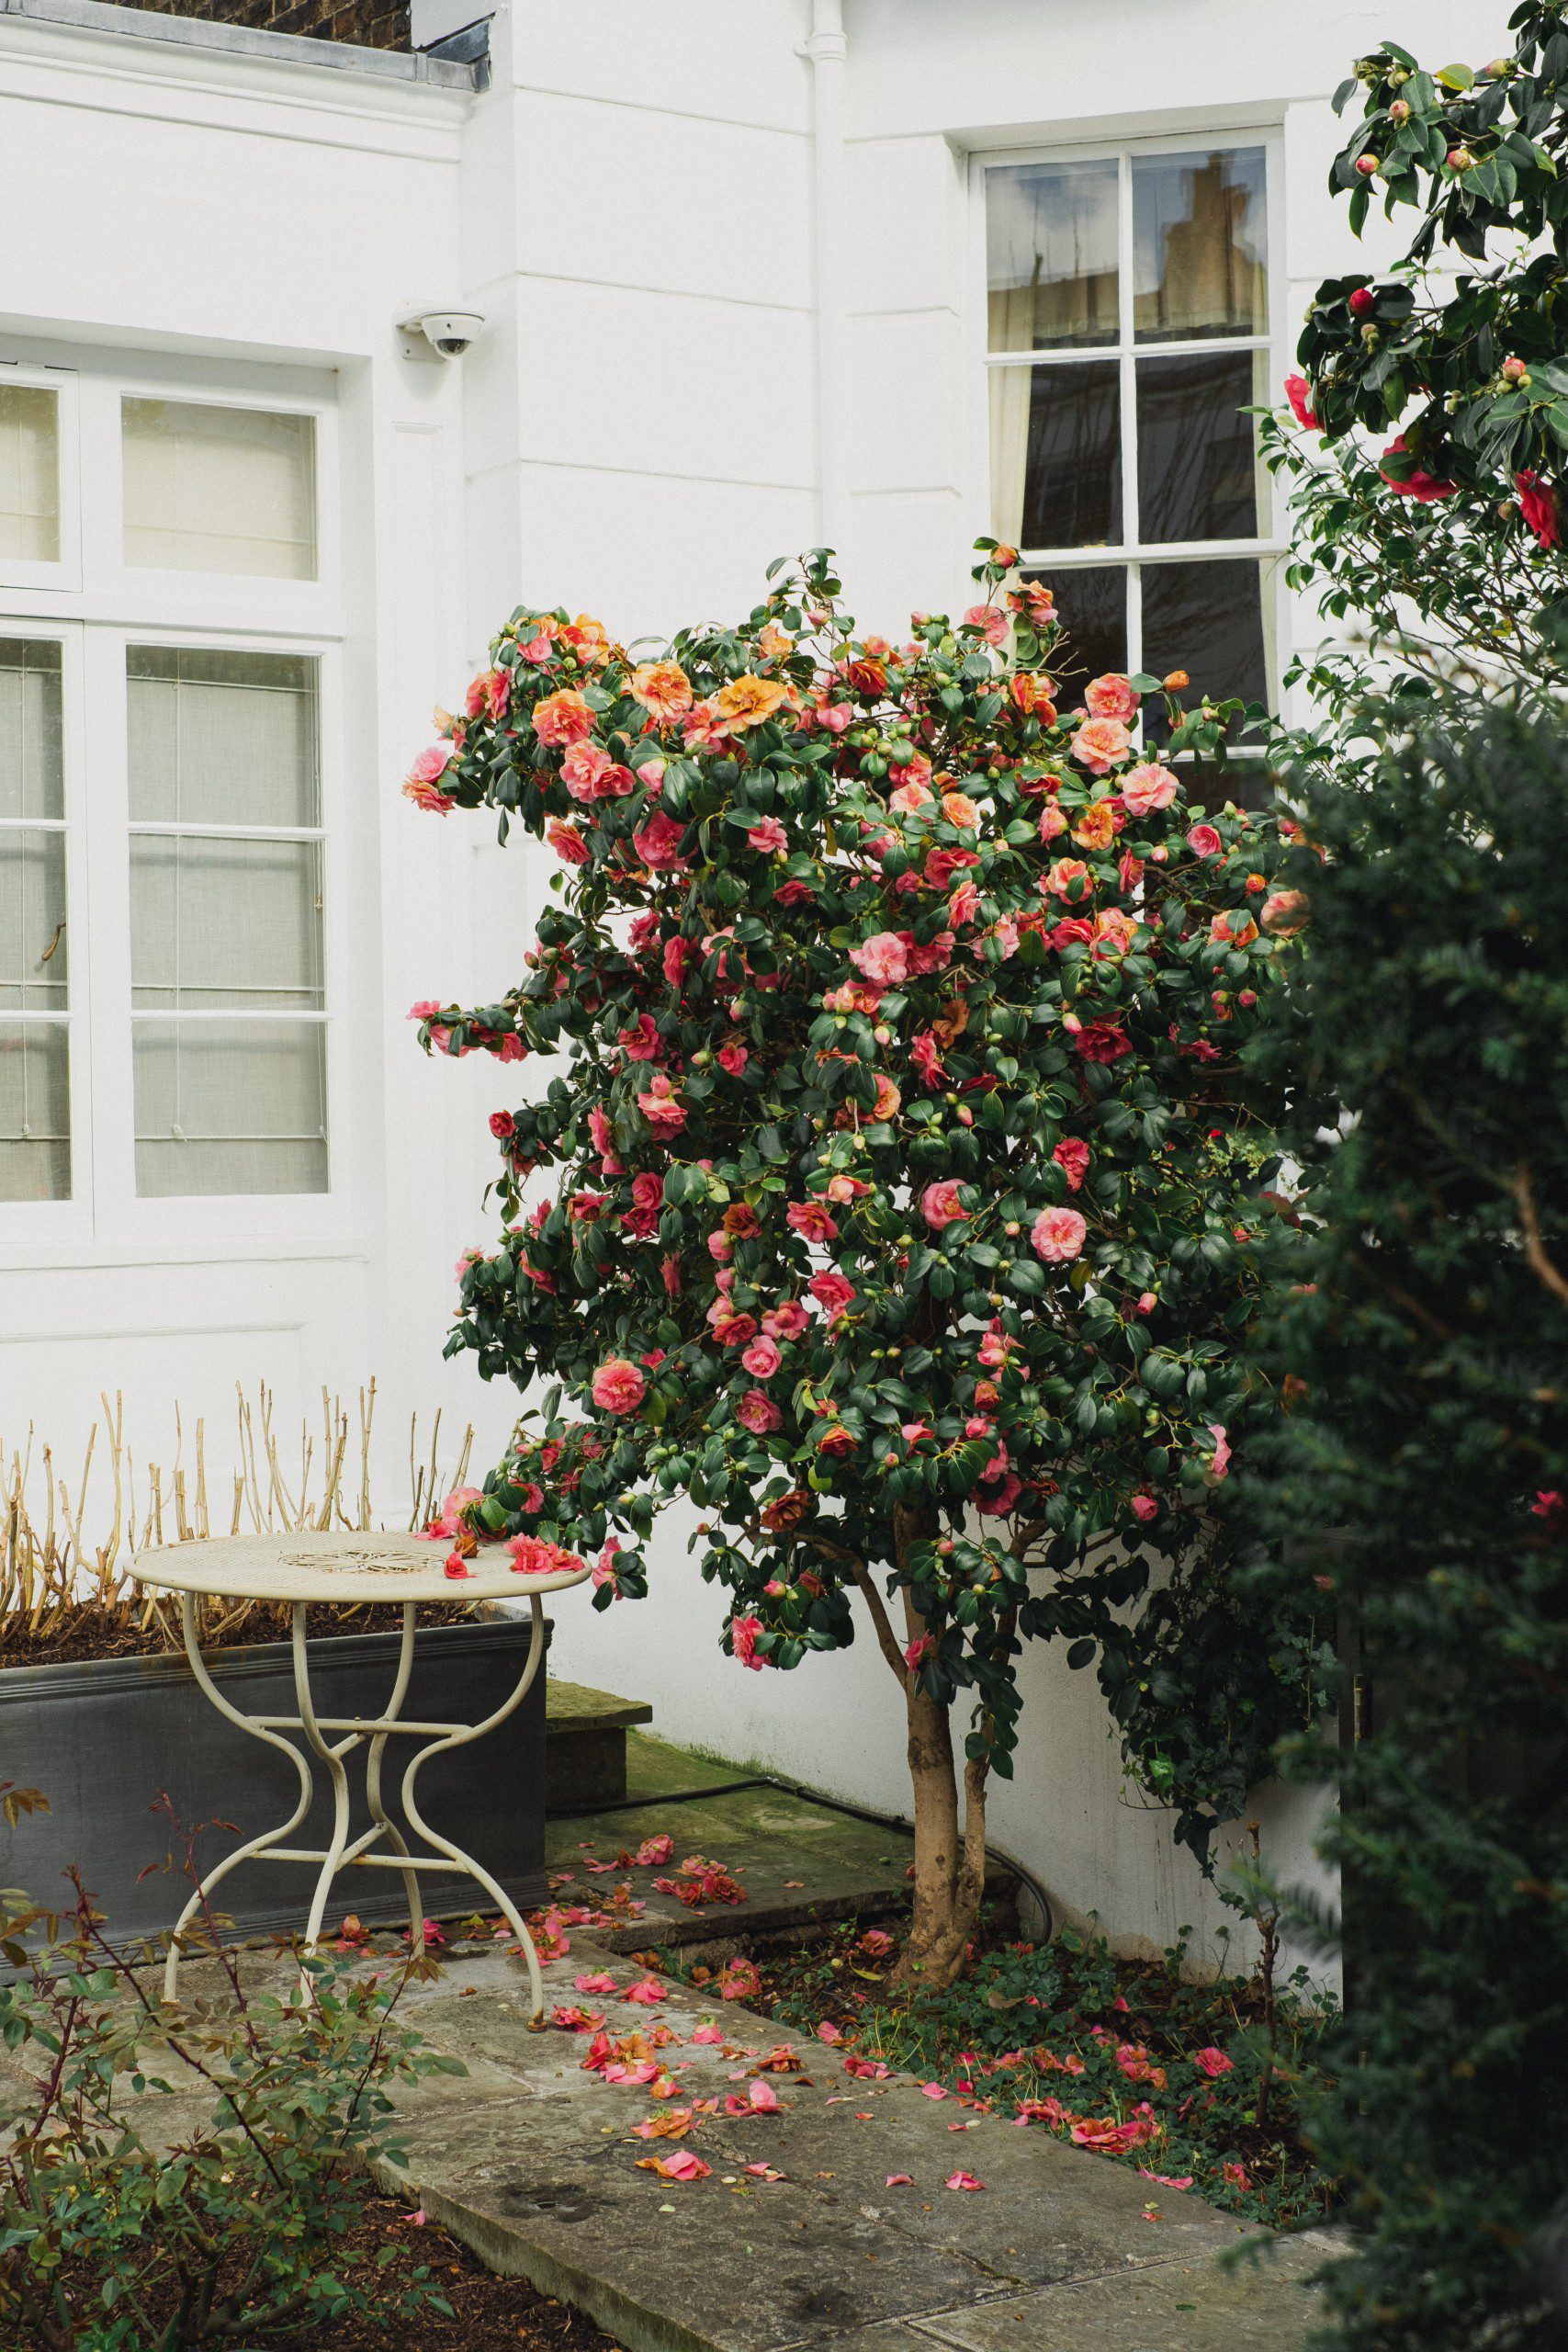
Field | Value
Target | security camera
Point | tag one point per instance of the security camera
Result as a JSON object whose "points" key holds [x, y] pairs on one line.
{"points": [[438, 334]]}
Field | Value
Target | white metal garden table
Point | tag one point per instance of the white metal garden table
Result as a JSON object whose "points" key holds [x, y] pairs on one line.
{"points": [[348, 1570]]}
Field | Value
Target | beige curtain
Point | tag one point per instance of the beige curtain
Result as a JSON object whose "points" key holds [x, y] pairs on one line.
{"points": [[1012, 318]]}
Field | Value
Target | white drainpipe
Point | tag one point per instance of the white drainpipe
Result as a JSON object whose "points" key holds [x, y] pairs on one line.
{"points": [[828, 51]]}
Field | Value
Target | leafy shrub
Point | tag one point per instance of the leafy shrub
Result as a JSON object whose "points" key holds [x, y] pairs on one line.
{"points": [[1423, 1475], [111, 2240], [901, 1171]]}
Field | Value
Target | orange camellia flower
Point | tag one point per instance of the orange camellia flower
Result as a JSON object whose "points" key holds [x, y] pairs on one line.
{"points": [[775, 643], [746, 702], [1068, 878], [563, 718], [662, 688], [1096, 828], [1100, 742], [590, 640], [959, 810], [1033, 694]]}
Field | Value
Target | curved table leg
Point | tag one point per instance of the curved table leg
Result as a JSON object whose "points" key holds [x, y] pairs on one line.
{"points": [[372, 1796], [255, 1845], [460, 1737], [331, 1757]]}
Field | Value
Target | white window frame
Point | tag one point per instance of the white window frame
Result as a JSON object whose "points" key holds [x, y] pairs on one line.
{"points": [[1267, 549], [63, 577], [97, 607]]}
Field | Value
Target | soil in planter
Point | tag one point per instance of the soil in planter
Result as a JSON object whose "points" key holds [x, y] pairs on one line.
{"points": [[491, 2314], [91, 1631]]}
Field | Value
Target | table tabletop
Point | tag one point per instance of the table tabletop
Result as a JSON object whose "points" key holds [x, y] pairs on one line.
{"points": [[348, 1568]]}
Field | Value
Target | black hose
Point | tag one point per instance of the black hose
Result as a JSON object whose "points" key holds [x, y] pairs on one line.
{"points": [[837, 1805]]}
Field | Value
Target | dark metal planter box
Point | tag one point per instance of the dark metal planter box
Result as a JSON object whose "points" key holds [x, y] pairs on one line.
{"points": [[103, 1739]]}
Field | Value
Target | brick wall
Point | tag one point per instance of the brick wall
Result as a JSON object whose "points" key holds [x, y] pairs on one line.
{"points": [[369, 24]]}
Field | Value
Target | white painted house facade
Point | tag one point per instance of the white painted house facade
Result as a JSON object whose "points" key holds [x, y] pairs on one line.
{"points": [[754, 274]]}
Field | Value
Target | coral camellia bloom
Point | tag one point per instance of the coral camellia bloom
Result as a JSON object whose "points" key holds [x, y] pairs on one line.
{"points": [[1148, 787], [563, 718], [1204, 841], [1424, 488], [1112, 696], [883, 958], [618, 1386], [940, 1205], [662, 688], [1058, 1234], [758, 1412], [768, 837], [1100, 743], [743, 1632], [762, 1359], [421, 784], [1071, 1156], [746, 702]]}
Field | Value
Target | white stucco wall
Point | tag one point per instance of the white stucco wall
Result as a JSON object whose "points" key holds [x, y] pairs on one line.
{"points": [[640, 428]]}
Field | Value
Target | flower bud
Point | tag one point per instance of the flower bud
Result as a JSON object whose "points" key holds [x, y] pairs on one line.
{"points": [[1366, 166], [1176, 682], [1514, 371]]}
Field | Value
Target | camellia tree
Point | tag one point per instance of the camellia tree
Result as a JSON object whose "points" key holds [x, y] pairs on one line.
{"points": [[896, 1196]]}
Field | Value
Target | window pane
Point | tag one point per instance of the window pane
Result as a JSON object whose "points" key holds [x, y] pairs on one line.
{"points": [[1092, 605], [29, 474], [226, 739], [1056, 455], [1199, 241], [220, 489], [35, 1111], [1051, 249], [1197, 454], [1206, 619], [218, 923], [32, 765], [32, 919], [230, 1106]]}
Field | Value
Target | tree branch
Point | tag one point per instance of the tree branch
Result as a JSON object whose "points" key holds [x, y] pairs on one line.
{"points": [[886, 1639], [1541, 1262]]}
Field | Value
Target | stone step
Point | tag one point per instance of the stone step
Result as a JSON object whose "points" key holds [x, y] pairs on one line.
{"points": [[585, 1746]]}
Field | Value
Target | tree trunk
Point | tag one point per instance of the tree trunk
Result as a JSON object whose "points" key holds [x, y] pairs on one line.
{"points": [[950, 1862]]}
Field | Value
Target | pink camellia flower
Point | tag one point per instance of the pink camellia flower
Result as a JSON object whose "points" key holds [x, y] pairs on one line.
{"points": [[768, 837], [661, 1106], [1222, 1460], [1068, 878], [960, 811], [1548, 1505], [1071, 1156], [421, 784], [606, 1571], [1052, 822], [447, 1522], [832, 1292], [1111, 696], [562, 719], [758, 1412], [882, 959], [991, 624], [1424, 488], [1298, 391], [1058, 1234], [910, 797], [940, 1204], [657, 840], [618, 1386], [488, 695], [787, 1320], [456, 1566], [567, 842], [1204, 841], [1537, 505], [645, 1992], [762, 1359], [1100, 743], [1284, 912], [743, 1636], [1212, 2061], [964, 905], [1237, 2176], [812, 1220], [1146, 787], [1145, 1508]]}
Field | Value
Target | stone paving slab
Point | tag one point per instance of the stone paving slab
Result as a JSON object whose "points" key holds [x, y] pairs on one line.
{"points": [[533, 2163], [801, 1864]]}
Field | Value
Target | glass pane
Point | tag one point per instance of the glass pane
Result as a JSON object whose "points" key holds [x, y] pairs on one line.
{"points": [[1208, 619], [32, 764], [230, 1106], [219, 924], [1092, 608], [32, 920], [1199, 241], [1051, 251], [226, 739], [29, 474], [1056, 455], [35, 1111], [1197, 453], [220, 489]]}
